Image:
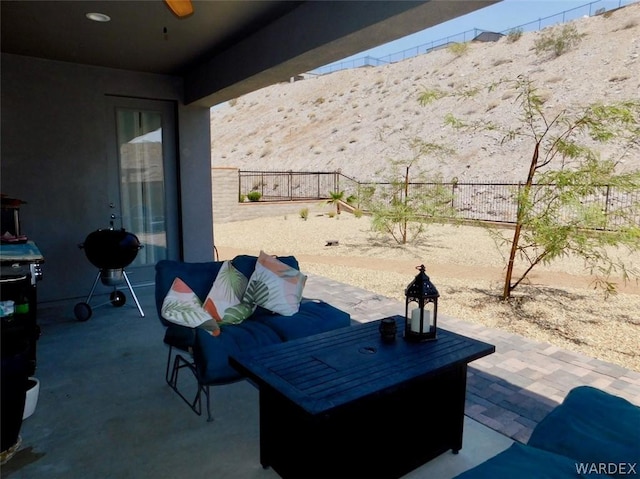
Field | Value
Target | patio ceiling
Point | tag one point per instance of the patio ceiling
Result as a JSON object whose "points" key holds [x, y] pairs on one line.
{"points": [[141, 36], [223, 50]]}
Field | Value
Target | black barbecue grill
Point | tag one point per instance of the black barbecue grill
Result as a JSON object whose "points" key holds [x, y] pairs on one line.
{"points": [[109, 250]]}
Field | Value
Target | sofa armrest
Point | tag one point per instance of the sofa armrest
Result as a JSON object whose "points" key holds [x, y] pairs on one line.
{"points": [[592, 427], [211, 353], [526, 462], [180, 337]]}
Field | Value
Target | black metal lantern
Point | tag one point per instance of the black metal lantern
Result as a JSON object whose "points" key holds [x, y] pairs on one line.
{"points": [[421, 308]]}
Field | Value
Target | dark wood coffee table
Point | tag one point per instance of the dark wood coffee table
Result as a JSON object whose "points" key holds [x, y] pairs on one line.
{"points": [[345, 404]]}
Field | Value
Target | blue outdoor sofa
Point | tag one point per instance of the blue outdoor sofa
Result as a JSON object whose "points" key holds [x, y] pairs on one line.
{"points": [[206, 356], [592, 434]]}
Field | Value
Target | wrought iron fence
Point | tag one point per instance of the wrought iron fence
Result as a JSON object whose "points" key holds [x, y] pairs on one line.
{"points": [[589, 9], [495, 202], [288, 185]]}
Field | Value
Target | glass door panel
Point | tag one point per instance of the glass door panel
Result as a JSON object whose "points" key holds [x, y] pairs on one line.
{"points": [[142, 181]]}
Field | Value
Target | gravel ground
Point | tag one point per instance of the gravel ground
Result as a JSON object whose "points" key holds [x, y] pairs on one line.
{"points": [[558, 305]]}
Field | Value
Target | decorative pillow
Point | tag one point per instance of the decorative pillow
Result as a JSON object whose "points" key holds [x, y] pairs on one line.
{"points": [[224, 301], [246, 264], [275, 286], [182, 306]]}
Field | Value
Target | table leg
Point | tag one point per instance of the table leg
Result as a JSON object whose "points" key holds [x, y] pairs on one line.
{"points": [[265, 427]]}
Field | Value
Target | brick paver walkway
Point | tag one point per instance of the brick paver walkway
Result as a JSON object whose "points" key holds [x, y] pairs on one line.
{"points": [[509, 391]]}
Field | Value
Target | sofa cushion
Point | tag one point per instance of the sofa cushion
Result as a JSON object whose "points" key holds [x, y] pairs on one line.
{"points": [[275, 286], [526, 462], [182, 306], [313, 317], [211, 354], [224, 300], [592, 427], [262, 328], [246, 264], [199, 277]]}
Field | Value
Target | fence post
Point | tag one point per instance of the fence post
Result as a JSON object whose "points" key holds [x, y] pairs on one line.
{"points": [[290, 185], [518, 202], [606, 207], [453, 194]]}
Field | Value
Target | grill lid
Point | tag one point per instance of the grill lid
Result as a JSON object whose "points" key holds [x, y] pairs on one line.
{"points": [[110, 248]]}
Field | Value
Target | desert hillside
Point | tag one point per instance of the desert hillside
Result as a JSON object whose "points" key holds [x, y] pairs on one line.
{"points": [[357, 120]]}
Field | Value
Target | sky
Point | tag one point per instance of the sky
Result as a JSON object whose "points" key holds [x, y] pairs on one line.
{"points": [[500, 17]]}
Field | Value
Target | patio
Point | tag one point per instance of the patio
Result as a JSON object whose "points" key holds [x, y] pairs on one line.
{"points": [[105, 411]]}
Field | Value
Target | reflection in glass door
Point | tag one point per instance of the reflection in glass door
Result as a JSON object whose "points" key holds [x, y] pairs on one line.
{"points": [[142, 181]]}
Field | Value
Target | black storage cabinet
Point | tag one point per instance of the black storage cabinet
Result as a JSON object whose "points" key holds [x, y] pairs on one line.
{"points": [[19, 334]]}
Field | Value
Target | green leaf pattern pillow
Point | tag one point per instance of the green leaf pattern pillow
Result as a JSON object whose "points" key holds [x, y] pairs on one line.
{"points": [[224, 301], [182, 306], [275, 286]]}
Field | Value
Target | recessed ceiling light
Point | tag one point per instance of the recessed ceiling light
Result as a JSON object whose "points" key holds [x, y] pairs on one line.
{"points": [[98, 17]]}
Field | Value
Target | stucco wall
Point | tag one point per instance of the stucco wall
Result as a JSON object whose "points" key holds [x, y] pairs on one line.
{"points": [[55, 155]]}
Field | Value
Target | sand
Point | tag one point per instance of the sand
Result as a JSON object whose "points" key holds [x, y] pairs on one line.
{"points": [[359, 120]]}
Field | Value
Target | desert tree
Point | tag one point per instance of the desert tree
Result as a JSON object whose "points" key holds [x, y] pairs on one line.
{"points": [[557, 209], [408, 199]]}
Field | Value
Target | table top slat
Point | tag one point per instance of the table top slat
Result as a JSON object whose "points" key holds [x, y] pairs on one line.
{"points": [[332, 369]]}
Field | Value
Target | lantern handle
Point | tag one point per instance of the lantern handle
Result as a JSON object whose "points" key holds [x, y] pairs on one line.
{"points": [[421, 268]]}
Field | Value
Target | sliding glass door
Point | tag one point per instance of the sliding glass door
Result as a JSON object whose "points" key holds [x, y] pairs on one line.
{"points": [[143, 186]]}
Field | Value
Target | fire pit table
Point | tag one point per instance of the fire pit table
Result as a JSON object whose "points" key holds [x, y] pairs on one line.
{"points": [[347, 404]]}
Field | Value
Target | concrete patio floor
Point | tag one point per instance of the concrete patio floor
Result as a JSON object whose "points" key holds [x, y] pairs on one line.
{"points": [[105, 411]]}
